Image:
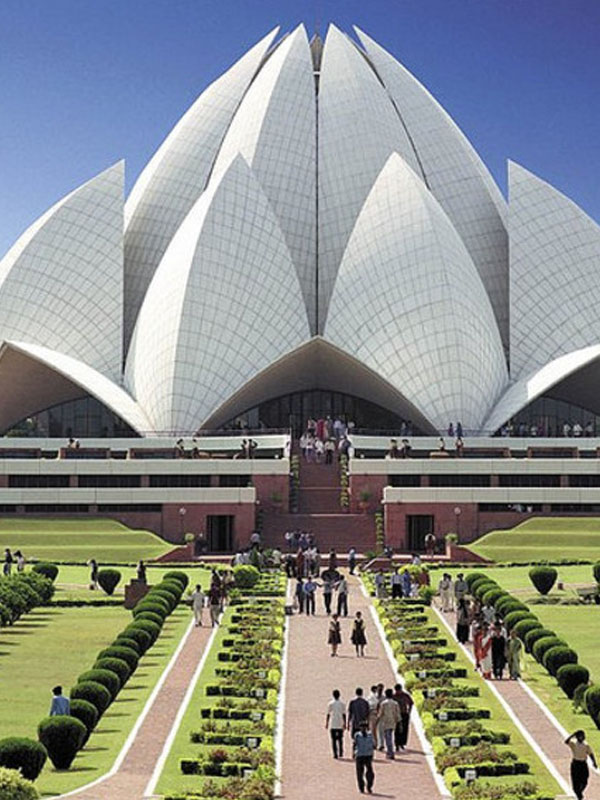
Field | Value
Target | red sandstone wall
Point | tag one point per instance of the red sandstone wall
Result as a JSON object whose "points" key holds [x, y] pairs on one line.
{"points": [[268, 485], [374, 484]]}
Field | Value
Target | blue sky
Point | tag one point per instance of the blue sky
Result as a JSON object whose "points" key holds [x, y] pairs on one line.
{"points": [[84, 83]]}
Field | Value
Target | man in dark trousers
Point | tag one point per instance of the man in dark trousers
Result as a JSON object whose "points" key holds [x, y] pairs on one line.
{"points": [[405, 702], [364, 747], [336, 722], [358, 711]]}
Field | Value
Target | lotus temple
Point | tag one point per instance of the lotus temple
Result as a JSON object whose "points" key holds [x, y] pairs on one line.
{"points": [[315, 237]]}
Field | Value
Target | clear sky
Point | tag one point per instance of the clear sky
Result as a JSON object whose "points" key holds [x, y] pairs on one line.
{"points": [[84, 83]]}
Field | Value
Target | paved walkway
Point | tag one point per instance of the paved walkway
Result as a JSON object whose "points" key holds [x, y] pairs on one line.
{"points": [[540, 728], [134, 772], [309, 769]]}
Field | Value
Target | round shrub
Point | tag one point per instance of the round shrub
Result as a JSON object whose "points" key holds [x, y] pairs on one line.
{"points": [[42, 585], [116, 665], [46, 569], [526, 625], [106, 677], [109, 579], [158, 605], [570, 676], [554, 658], [126, 654], [87, 713], [62, 737], [5, 617], [246, 576], [513, 617], [543, 578], [146, 625], [95, 693], [177, 575], [142, 637], [159, 597], [596, 571], [493, 595], [23, 754], [473, 577], [544, 644], [532, 636], [592, 703], [171, 585], [483, 587], [151, 616], [507, 604], [13, 786], [126, 641], [170, 594]]}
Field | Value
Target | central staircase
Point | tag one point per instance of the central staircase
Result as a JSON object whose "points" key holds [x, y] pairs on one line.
{"points": [[319, 512]]}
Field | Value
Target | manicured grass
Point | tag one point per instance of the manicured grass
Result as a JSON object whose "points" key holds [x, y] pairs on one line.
{"points": [[79, 540], [543, 538], [516, 579]]}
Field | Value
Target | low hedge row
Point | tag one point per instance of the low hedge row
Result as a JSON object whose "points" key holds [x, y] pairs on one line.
{"points": [[99, 686], [21, 593], [460, 740], [548, 649]]}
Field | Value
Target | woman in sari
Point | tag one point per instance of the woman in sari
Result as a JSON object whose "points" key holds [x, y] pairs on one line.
{"points": [[514, 649]]}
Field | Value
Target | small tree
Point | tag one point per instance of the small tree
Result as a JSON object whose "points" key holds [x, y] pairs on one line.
{"points": [[86, 713], [570, 677], [246, 576], [62, 737], [46, 569], [592, 703], [543, 578], [26, 755], [109, 579]]}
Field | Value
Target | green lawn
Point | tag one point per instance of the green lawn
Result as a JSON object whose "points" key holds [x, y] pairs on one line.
{"points": [[54, 645], [516, 579], [543, 538], [79, 540]]}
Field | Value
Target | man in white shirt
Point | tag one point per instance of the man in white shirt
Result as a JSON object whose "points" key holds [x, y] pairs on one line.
{"points": [[198, 603], [336, 722]]}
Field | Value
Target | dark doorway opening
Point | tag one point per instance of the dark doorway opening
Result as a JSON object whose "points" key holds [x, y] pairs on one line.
{"points": [[418, 526], [220, 533]]}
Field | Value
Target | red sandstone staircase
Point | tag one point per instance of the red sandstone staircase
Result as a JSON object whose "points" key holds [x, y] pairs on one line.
{"points": [[319, 512]]}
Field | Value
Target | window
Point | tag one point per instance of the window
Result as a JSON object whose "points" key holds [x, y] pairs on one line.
{"points": [[584, 480], [404, 480], [38, 481], [459, 480], [529, 480], [179, 481], [120, 508], [56, 508], [238, 481], [118, 481]]}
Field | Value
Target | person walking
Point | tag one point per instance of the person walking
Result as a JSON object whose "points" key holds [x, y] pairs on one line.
{"points": [[379, 585], [389, 718], [334, 638], [358, 712], [364, 747], [461, 587], [310, 589], [514, 648], [445, 590], [327, 593], [352, 560], [93, 565], [20, 561], [342, 597], [198, 602], [462, 621], [214, 600], [8, 562], [405, 704], [498, 650], [373, 700], [61, 705], [580, 752], [299, 593], [406, 583], [358, 637], [336, 722], [396, 583]]}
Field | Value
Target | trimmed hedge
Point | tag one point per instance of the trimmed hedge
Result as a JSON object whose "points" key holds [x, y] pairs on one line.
{"points": [[156, 605], [556, 657], [26, 755], [109, 579], [123, 640], [532, 636], [140, 636], [146, 625], [544, 644], [157, 618], [596, 571], [94, 692], [87, 713], [62, 737], [21, 593], [543, 578], [13, 786], [507, 604], [177, 575], [246, 576], [46, 569], [526, 625], [106, 677], [116, 665], [513, 617], [492, 596], [570, 676], [592, 703], [126, 654]]}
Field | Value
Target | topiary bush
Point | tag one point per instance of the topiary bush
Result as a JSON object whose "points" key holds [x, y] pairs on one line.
{"points": [[46, 569], [492, 596], [543, 578], [177, 575], [95, 693], [109, 579], [482, 588], [246, 576], [142, 637], [544, 644], [513, 617], [23, 754], [596, 571], [554, 658], [151, 628], [87, 713], [126, 641], [592, 703], [13, 786], [157, 605], [116, 665], [62, 737], [570, 677], [106, 677], [531, 637], [156, 618], [126, 654], [526, 625], [507, 604]]}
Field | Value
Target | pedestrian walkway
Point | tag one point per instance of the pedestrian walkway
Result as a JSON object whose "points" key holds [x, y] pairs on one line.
{"points": [[544, 733], [308, 767], [137, 766]]}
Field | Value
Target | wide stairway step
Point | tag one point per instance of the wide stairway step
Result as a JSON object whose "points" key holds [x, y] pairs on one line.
{"points": [[340, 530], [319, 500]]}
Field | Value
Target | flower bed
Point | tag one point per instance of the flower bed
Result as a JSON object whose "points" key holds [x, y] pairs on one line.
{"points": [[465, 738]]}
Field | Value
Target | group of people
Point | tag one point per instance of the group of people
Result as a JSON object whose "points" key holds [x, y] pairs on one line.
{"points": [[214, 599], [542, 428], [378, 722], [400, 584], [11, 559], [358, 636], [330, 582]]}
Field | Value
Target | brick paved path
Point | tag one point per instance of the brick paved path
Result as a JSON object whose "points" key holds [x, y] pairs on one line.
{"points": [[540, 728], [132, 777], [308, 768]]}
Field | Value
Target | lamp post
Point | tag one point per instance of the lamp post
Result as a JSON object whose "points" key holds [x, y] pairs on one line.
{"points": [[457, 513], [182, 513]]}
